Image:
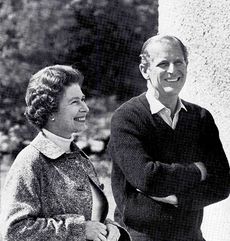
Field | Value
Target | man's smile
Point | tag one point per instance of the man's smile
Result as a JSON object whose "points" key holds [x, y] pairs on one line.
{"points": [[172, 79]]}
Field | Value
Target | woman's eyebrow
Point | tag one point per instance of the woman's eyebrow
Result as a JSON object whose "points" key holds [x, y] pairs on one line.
{"points": [[77, 98]]}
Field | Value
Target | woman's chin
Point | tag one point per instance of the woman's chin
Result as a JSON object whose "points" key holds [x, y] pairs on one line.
{"points": [[78, 132]]}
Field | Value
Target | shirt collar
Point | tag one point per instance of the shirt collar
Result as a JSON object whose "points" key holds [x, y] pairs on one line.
{"points": [[180, 105], [47, 146], [155, 105]]}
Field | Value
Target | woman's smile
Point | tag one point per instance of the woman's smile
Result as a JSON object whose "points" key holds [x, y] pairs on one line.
{"points": [[80, 118]]}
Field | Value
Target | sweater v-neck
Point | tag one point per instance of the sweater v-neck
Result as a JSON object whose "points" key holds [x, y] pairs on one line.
{"points": [[157, 118]]}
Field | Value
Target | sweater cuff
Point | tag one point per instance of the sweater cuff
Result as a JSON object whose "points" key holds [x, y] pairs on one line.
{"points": [[75, 226]]}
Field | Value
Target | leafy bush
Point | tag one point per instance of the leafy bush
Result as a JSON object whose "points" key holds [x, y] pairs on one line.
{"points": [[101, 38], [93, 141]]}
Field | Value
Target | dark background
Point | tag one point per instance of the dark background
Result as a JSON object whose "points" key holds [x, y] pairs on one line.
{"points": [[101, 38]]}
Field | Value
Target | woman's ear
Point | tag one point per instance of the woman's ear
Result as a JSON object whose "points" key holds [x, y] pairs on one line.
{"points": [[144, 71], [51, 117]]}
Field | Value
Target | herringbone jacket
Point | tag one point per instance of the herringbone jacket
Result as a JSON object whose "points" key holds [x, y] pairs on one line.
{"points": [[47, 194]]}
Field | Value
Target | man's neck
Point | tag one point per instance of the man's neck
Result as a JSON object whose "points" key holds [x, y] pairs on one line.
{"points": [[170, 103]]}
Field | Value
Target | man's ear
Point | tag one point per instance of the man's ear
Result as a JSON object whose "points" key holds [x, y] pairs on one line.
{"points": [[144, 71]]}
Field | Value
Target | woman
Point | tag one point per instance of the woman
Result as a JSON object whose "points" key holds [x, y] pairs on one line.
{"points": [[52, 191]]}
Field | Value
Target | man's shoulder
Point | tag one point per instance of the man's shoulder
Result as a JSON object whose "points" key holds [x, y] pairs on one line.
{"points": [[132, 110], [135, 102], [193, 108]]}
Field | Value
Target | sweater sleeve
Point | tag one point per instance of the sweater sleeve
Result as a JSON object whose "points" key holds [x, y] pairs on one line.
{"points": [[21, 217], [151, 176], [217, 185]]}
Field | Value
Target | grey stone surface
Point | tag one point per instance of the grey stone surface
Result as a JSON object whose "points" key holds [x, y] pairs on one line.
{"points": [[204, 26]]}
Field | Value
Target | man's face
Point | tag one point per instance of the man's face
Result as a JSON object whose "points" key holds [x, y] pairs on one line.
{"points": [[167, 68]]}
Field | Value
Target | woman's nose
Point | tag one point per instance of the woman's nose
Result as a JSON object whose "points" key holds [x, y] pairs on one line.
{"points": [[85, 108]]}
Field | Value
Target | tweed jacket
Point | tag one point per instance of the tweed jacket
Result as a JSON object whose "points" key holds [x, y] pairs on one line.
{"points": [[151, 159], [47, 194]]}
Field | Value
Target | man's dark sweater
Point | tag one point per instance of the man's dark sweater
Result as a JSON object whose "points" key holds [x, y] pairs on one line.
{"points": [[149, 155]]}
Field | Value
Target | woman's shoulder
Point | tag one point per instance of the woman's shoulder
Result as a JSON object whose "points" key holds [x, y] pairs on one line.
{"points": [[28, 160], [29, 153], [26, 167]]}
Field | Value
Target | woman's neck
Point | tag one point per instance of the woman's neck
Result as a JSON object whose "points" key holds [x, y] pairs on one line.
{"points": [[63, 143]]}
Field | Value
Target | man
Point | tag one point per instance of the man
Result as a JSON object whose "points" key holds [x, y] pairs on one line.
{"points": [[168, 161]]}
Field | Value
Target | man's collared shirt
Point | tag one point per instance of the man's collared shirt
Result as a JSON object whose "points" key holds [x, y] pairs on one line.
{"points": [[156, 107]]}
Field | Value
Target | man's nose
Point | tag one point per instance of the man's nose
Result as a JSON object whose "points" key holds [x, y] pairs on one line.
{"points": [[171, 68]]}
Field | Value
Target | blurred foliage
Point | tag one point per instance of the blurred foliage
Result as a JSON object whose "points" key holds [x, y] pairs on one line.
{"points": [[15, 135], [101, 38]]}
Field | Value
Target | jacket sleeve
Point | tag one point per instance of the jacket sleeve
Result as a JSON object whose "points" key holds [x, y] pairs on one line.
{"points": [[217, 185], [21, 217], [152, 177]]}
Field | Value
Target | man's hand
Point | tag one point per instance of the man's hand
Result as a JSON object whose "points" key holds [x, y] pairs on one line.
{"points": [[95, 231], [113, 232], [202, 169]]}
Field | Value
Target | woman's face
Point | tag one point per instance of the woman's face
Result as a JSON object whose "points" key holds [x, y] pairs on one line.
{"points": [[71, 115]]}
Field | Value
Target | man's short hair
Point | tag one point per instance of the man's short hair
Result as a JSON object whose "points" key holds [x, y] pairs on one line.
{"points": [[145, 57]]}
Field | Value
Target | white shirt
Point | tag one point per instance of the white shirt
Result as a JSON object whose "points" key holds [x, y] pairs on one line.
{"points": [[64, 143], [156, 107]]}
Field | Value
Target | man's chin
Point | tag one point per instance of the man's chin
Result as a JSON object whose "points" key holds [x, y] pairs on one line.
{"points": [[171, 91]]}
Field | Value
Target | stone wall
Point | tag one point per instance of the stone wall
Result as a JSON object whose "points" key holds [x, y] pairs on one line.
{"points": [[204, 26]]}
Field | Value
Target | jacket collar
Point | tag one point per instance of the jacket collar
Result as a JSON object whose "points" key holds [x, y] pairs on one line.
{"points": [[46, 146]]}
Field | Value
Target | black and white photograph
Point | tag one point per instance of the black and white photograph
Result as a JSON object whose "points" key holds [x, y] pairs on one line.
{"points": [[114, 120]]}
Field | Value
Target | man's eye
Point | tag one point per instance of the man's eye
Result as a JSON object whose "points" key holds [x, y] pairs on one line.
{"points": [[162, 64], [179, 62]]}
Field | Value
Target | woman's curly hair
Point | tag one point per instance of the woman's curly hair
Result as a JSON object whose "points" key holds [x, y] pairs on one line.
{"points": [[45, 89]]}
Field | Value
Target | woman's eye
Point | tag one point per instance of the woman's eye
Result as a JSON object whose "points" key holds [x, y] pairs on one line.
{"points": [[75, 102]]}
